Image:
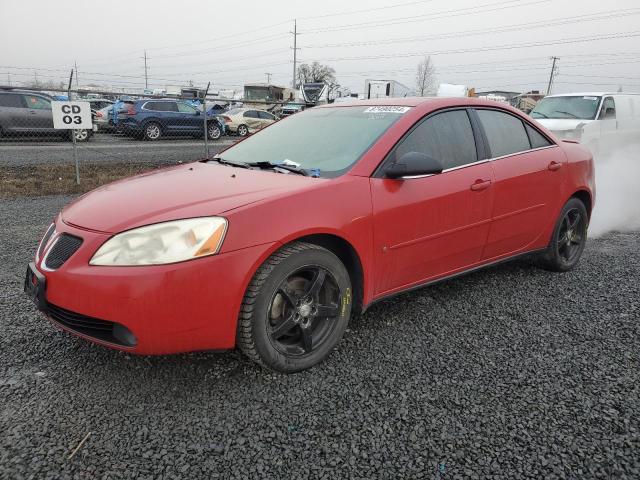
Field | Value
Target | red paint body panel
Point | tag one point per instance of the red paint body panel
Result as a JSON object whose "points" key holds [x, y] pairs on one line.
{"points": [[404, 232]]}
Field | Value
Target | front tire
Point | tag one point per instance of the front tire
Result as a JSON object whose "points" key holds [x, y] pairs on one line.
{"points": [[295, 309], [568, 239], [152, 131], [213, 131]]}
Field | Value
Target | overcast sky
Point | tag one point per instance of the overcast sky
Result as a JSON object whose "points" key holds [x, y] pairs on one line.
{"points": [[487, 44]]}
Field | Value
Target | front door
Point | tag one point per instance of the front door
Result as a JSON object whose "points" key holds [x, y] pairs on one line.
{"points": [[434, 225]]}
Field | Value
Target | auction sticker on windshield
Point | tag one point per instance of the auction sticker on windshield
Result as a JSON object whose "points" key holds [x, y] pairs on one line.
{"points": [[387, 109]]}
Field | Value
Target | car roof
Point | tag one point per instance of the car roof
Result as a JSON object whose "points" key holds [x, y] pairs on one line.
{"points": [[591, 94], [437, 102]]}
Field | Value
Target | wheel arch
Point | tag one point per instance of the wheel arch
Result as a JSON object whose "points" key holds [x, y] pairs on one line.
{"points": [[337, 245], [349, 257], [585, 197]]}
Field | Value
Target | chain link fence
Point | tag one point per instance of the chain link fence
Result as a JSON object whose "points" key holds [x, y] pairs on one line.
{"points": [[131, 133]]}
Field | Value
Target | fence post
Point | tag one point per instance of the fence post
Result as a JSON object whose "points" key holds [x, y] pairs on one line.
{"points": [[73, 135], [206, 125]]}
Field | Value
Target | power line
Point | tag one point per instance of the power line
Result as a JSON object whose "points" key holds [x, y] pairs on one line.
{"points": [[492, 30], [492, 48], [366, 10], [502, 5]]}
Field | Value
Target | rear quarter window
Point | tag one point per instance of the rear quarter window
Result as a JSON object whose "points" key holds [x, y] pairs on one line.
{"points": [[536, 138], [506, 133], [10, 100]]}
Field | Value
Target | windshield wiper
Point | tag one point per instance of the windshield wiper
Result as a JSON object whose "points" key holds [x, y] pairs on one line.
{"points": [[567, 113], [539, 113], [222, 161], [282, 166]]}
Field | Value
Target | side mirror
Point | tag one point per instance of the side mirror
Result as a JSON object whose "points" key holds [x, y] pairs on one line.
{"points": [[413, 164], [197, 112]]}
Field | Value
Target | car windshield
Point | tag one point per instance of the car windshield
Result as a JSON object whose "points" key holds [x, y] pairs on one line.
{"points": [[327, 140], [582, 107]]}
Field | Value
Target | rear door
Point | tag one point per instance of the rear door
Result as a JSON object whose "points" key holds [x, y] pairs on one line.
{"points": [[13, 112], [529, 172], [431, 226]]}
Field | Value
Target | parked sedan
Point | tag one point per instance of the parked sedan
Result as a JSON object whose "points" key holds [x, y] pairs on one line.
{"points": [[153, 119], [244, 121], [274, 244]]}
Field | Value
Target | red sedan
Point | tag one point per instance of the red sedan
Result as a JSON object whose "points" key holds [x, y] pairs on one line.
{"points": [[272, 245]]}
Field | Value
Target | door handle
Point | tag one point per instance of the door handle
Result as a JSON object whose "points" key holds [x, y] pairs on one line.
{"points": [[32, 112], [553, 166], [480, 185]]}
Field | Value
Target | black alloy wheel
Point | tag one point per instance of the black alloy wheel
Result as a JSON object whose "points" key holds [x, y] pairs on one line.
{"points": [[296, 308], [304, 311], [569, 237]]}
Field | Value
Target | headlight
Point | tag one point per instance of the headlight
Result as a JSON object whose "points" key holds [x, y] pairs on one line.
{"points": [[161, 243]]}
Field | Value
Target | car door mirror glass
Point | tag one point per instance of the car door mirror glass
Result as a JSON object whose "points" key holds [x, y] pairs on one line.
{"points": [[413, 164]]}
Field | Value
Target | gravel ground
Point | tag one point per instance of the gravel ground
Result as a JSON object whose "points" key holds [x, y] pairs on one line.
{"points": [[512, 372], [107, 148]]}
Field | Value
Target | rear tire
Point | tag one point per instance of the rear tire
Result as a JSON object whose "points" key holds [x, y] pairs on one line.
{"points": [[242, 131], [296, 308], [568, 239], [152, 132]]}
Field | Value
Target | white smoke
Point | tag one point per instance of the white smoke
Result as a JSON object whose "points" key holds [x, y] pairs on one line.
{"points": [[617, 191]]}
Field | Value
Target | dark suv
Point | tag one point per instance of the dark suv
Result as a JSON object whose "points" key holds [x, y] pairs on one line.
{"points": [[27, 114], [153, 119]]}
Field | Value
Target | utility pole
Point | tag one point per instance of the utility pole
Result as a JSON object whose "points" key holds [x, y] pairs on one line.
{"points": [[268, 77], [77, 81], [295, 51], [8, 79], [35, 76], [146, 69], [553, 74]]}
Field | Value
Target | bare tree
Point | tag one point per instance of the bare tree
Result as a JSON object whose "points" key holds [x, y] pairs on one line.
{"points": [[426, 77], [316, 73]]}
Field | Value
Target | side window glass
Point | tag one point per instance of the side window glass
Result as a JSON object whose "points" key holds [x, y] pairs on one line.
{"points": [[536, 138], [184, 108], [608, 111], [506, 133], [37, 103], [247, 114], [447, 137], [169, 106], [151, 106], [10, 100]]}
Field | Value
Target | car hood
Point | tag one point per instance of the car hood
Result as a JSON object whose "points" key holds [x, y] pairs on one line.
{"points": [[561, 124], [190, 190]]}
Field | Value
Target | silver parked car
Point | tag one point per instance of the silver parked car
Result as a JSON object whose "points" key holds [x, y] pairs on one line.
{"points": [[28, 114]]}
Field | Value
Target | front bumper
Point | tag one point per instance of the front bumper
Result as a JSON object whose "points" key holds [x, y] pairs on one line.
{"points": [[181, 307]]}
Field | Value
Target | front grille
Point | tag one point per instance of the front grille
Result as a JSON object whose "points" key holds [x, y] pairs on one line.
{"points": [[65, 246], [92, 327], [45, 239]]}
